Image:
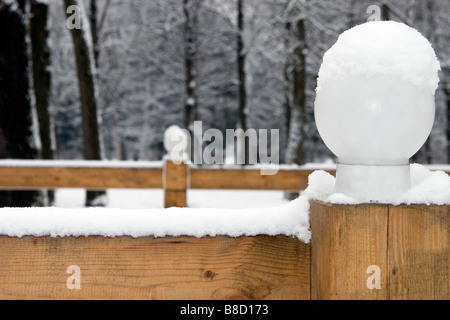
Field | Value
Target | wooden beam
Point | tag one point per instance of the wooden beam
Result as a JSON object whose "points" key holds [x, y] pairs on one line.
{"points": [[419, 244], [175, 184], [346, 241], [260, 267], [407, 248], [30, 178], [249, 179]]}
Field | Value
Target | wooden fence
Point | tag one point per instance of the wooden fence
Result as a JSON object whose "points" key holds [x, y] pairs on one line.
{"points": [[368, 251], [174, 179]]}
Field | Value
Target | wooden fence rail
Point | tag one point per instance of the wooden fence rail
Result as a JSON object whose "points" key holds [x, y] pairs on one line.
{"points": [[368, 251], [174, 179]]}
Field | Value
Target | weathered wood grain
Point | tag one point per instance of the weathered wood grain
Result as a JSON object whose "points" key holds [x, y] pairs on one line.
{"points": [[419, 252], [176, 177], [175, 198], [156, 268], [31, 178], [346, 240], [251, 179]]}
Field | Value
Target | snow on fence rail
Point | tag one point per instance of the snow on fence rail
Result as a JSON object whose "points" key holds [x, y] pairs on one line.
{"points": [[174, 179]]}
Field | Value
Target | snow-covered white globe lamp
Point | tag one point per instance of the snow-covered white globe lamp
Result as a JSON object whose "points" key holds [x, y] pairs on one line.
{"points": [[375, 107]]}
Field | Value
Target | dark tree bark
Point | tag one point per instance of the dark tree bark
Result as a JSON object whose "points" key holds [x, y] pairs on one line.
{"points": [[190, 9], [385, 12], [299, 94], [296, 82], [287, 84], [94, 29], [447, 100], [96, 26], [425, 17], [15, 107], [242, 77], [190, 51], [351, 13], [431, 26], [86, 82], [42, 77]]}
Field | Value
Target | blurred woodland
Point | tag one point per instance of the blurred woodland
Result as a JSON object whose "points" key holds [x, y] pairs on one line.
{"points": [[110, 89]]}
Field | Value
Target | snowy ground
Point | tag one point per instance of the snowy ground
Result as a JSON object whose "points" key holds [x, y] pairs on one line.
{"points": [[140, 199]]}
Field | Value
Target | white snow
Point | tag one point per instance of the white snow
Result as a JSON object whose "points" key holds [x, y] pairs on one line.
{"points": [[427, 187], [154, 198], [290, 219], [190, 102], [381, 48], [176, 143]]}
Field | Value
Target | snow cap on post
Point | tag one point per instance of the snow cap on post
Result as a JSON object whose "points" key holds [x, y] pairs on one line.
{"points": [[375, 106], [176, 143]]}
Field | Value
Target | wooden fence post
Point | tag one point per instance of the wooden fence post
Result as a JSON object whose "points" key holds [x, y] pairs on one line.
{"points": [[175, 184], [419, 258], [346, 241], [379, 252]]}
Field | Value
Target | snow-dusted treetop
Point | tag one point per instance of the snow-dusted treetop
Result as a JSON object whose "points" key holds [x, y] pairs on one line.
{"points": [[382, 48]]}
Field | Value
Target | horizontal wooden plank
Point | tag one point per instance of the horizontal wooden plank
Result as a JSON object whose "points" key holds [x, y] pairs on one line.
{"points": [[249, 179], [29, 178], [260, 267]]}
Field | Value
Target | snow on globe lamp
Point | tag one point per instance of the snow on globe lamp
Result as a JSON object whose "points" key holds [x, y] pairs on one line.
{"points": [[374, 106]]}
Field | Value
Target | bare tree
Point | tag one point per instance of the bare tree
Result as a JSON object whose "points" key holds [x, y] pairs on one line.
{"points": [[385, 12], [242, 77], [298, 78], [287, 80], [40, 57], [447, 101], [15, 108], [84, 57], [96, 26], [94, 29], [190, 10]]}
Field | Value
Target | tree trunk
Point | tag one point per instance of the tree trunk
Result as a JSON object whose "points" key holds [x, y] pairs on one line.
{"points": [[94, 30], [15, 107], [190, 9], [287, 85], [425, 18], [385, 12], [84, 57], [42, 78], [297, 84], [447, 101], [431, 21], [351, 14], [242, 79], [447, 98], [299, 100]]}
